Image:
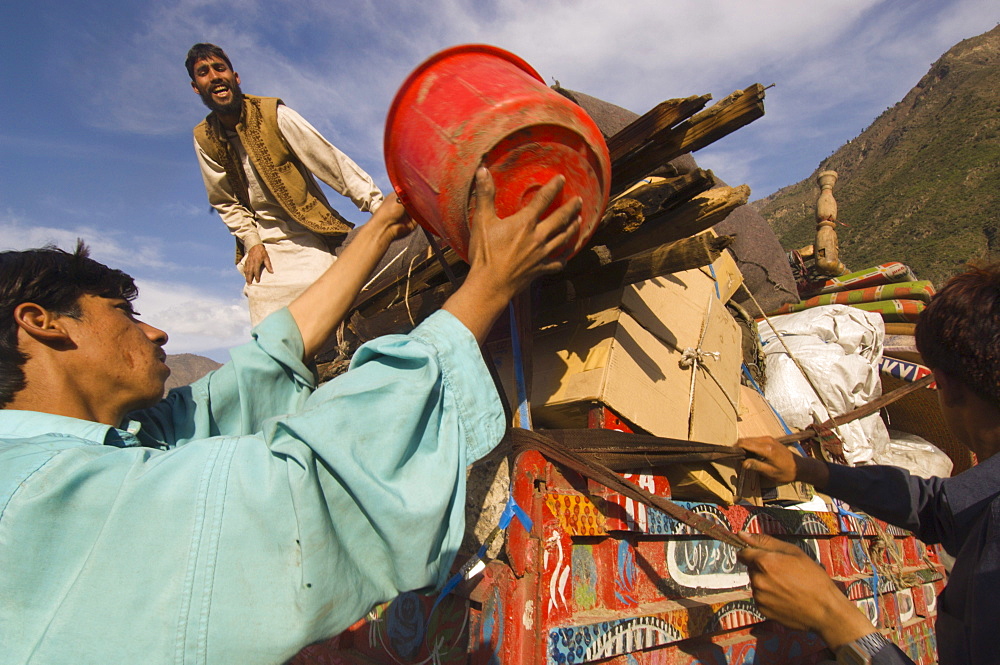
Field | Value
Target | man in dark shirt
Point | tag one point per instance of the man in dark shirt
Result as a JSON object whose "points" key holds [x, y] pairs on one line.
{"points": [[958, 336]]}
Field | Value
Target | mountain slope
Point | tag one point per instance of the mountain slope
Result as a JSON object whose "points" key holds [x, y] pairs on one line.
{"points": [[921, 184], [186, 368]]}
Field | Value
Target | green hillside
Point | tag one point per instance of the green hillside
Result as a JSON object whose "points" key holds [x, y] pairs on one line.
{"points": [[921, 184]]}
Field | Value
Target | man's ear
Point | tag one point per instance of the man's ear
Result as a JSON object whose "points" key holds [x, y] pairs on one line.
{"points": [[195, 88], [41, 324], [951, 390], [236, 77]]}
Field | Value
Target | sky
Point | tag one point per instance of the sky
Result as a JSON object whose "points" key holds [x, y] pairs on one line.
{"points": [[98, 110]]}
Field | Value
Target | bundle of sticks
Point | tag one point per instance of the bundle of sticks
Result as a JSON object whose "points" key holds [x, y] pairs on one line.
{"points": [[655, 224]]}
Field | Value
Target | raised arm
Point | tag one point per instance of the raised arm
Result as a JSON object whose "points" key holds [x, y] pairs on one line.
{"points": [[505, 255], [326, 162], [321, 308]]}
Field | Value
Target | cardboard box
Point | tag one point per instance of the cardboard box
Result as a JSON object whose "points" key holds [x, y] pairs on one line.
{"points": [[756, 417], [624, 349], [717, 481]]}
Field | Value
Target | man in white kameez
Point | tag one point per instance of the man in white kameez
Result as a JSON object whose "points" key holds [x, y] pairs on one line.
{"points": [[258, 159]]}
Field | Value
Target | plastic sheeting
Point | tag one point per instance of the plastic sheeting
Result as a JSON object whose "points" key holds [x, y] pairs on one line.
{"points": [[915, 454], [839, 348]]}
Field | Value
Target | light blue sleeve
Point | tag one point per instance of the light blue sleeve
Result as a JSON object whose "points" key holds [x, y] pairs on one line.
{"points": [[264, 378], [245, 549], [374, 467]]}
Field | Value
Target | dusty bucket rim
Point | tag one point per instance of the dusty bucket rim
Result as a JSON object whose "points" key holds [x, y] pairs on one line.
{"points": [[420, 69]]}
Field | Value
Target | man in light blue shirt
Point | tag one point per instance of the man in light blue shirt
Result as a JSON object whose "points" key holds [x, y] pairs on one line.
{"points": [[249, 514]]}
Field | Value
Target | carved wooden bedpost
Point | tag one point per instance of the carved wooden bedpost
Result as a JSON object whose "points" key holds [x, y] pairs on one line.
{"points": [[827, 252]]}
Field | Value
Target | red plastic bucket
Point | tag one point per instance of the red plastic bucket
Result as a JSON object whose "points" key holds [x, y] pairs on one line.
{"points": [[477, 104]]}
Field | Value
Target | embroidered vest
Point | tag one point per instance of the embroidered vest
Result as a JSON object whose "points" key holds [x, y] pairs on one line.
{"points": [[276, 164]]}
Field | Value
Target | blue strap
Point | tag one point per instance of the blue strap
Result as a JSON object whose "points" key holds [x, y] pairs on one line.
{"points": [[510, 511], [788, 430], [523, 410], [715, 279], [862, 519]]}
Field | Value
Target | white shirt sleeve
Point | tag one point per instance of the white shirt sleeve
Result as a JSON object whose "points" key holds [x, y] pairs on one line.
{"points": [[328, 163], [222, 197]]}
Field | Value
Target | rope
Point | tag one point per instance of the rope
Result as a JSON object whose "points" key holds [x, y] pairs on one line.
{"points": [[712, 376], [822, 430], [342, 347], [692, 357], [439, 254], [406, 292], [795, 361], [760, 391], [477, 563], [379, 273]]}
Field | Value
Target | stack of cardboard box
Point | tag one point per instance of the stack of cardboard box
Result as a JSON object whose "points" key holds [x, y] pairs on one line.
{"points": [[634, 335]]}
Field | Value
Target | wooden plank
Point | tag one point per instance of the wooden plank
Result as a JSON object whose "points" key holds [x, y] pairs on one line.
{"points": [[695, 216], [661, 246], [628, 213], [738, 109], [685, 254], [661, 117], [675, 191]]}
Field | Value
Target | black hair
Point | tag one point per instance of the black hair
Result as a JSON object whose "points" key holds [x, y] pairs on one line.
{"points": [[54, 279], [959, 332], [201, 51]]}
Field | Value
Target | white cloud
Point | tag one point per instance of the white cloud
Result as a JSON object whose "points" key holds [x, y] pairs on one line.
{"points": [[734, 167], [638, 54], [196, 321], [104, 244], [603, 47], [836, 64]]}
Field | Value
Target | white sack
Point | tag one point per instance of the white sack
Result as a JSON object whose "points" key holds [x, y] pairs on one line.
{"points": [[839, 347], [915, 454]]}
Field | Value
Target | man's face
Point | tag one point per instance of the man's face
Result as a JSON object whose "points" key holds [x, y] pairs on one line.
{"points": [[218, 86], [125, 357]]}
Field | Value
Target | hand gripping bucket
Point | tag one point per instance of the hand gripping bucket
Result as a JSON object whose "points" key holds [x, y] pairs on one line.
{"points": [[477, 104]]}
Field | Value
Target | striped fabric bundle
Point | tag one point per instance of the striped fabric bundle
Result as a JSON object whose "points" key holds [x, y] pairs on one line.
{"points": [[899, 311], [886, 273], [922, 291]]}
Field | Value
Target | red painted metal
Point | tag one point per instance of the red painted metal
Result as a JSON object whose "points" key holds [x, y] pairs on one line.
{"points": [[601, 417], [477, 104], [584, 586]]}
